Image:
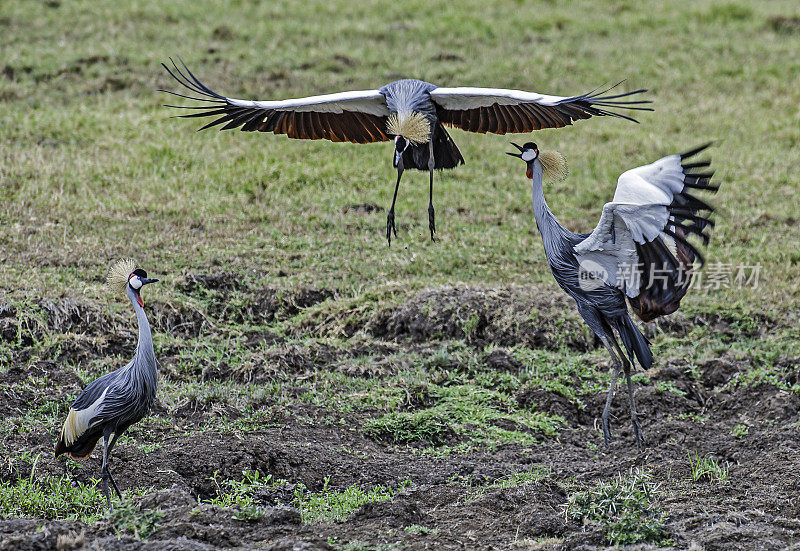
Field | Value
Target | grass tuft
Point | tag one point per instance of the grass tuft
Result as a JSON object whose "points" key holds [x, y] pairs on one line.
{"points": [[403, 427], [514, 480], [51, 498], [325, 506], [622, 508], [706, 468], [129, 518], [238, 494], [328, 506]]}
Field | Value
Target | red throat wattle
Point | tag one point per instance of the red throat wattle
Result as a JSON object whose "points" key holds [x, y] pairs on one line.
{"points": [[139, 299], [529, 173]]}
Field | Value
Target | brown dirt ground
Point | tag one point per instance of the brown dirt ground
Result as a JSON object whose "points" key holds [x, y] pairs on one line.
{"points": [[757, 508]]}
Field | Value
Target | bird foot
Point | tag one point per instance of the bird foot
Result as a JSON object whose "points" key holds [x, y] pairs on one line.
{"points": [[432, 221], [606, 431], [104, 476], [390, 227], [637, 430], [114, 485]]}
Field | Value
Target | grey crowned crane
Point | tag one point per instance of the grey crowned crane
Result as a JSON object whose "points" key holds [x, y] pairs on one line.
{"points": [[639, 251], [411, 112], [112, 403]]}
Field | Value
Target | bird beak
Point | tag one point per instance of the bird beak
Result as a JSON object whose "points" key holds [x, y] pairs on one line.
{"points": [[146, 280], [517, 155]]}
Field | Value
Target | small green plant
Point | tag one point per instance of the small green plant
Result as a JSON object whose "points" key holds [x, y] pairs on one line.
{"points": [[328, 506], [470, 325], [52, 498], [56, 498], [127, 517], [514, 480], [706, 468], [238, 495], [419, 529], [669, 386], [405, 427], [623, 508], [693, 417], [324, 506], [740, 430]]}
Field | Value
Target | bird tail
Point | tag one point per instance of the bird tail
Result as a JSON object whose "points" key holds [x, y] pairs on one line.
{"points": [[445, 152], [635, 343], [445, 149], [81, 449]]}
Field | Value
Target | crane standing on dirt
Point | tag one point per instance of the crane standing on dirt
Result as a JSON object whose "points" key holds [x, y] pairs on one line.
{"points": [[411, 112], [638, 250], [112, 403]]}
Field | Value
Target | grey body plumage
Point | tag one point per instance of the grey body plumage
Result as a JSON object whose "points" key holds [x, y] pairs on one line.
{"points": [[646, 217], [381, 115], [115, 401]]}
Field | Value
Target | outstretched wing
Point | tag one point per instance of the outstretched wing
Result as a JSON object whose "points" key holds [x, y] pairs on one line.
{"points": [[641, 242], [357, 116], [501, 111]]}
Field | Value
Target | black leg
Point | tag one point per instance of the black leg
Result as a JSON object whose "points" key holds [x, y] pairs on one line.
{"points": [[104, 474], [431, 211], [390, 227], [610, 396], [108, 465], [114, 484], [637, 427]]}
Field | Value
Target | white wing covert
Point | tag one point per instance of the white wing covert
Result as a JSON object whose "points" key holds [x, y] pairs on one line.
{"points": [[652, 215]]}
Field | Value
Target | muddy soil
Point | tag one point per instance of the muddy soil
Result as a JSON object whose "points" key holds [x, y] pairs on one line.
{"points": [[757, 508]]}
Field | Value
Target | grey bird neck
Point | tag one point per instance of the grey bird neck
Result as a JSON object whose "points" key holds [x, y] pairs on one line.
{"points": [[552, 231], [145, 358]]}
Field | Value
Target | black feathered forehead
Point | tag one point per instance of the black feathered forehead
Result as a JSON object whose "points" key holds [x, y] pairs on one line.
{"points": [[139, 272]]}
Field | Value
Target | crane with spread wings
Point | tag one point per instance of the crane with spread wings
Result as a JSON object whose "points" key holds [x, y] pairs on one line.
{"points": [[639, 252], [412, 113]]}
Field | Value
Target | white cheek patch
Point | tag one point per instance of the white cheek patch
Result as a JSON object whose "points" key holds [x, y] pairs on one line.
{"points": [[135, 282], [529, 155]]}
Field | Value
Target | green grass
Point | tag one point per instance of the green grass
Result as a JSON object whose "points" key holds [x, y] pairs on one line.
{"points": [[52, 498], [44, 496], [238, 494], [625, 509], [669, 386], [706, 468], [88, 147], [740, 430], [325, 506], [127, 517], [514, 480], [328, 505]]}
